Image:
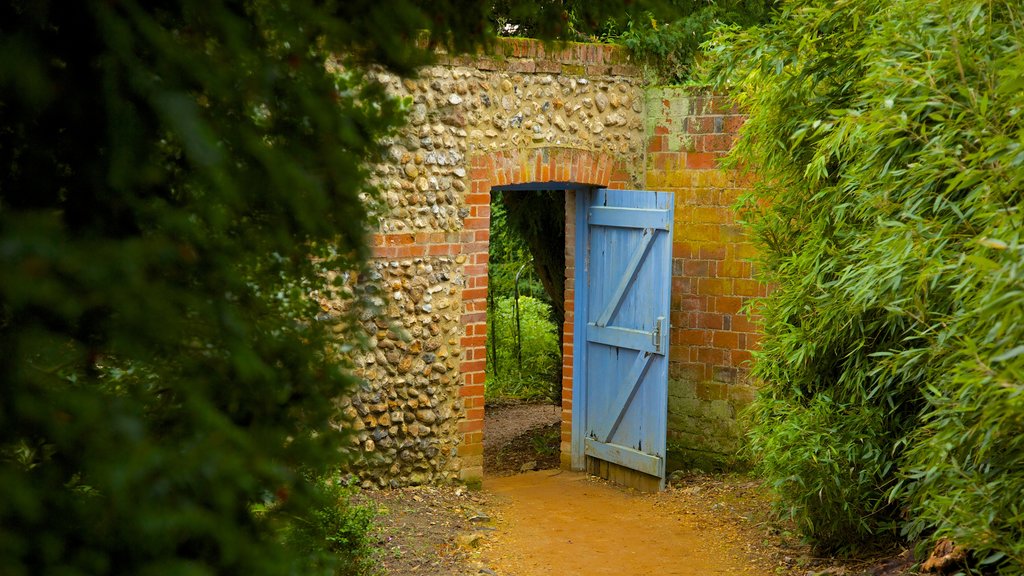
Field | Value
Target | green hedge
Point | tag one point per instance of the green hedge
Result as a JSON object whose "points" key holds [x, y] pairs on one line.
{"points": [[887, 136]]}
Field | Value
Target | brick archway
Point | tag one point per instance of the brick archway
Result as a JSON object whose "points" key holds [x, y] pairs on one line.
{"points": [[559, 167]]}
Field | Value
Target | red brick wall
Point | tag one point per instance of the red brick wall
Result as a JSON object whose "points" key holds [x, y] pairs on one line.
{"points": [[568, 329], [711, 339]]}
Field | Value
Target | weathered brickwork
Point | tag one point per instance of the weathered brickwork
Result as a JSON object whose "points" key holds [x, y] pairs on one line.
{"points": [[568, 329], [713, 278]]}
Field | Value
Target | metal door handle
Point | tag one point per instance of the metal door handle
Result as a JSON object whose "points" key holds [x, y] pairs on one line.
{"points": [[656, 335]]}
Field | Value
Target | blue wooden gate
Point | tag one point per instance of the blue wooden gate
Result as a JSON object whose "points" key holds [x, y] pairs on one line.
{"points": [[623, 283]]}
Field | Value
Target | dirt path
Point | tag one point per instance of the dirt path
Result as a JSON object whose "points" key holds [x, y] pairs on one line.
{"points": [[567, 524], [557, 522], [521, 436], [504, 423]]}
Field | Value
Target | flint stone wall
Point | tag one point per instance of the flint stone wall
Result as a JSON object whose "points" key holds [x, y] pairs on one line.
{"points": [[527, 113]]}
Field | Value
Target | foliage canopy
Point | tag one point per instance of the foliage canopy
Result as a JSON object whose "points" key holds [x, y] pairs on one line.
{"points": [[669, 41], [530, 228], [888, 140], [509, 256]]}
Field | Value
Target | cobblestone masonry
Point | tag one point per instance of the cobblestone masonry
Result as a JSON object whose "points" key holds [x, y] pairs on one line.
{"points": [[534, 114]]}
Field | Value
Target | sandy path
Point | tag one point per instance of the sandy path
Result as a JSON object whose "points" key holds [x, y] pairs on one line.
{"points": [[564, 523]]}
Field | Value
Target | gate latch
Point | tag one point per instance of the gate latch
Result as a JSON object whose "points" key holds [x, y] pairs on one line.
{"points": [[656, 335]]}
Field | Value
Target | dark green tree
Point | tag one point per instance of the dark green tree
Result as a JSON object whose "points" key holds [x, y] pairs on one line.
{"points": [[177, 177], [179, 180]]}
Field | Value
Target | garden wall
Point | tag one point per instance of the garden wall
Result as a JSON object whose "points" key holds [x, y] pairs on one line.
{"points": [[534, 114], [525, 114]]}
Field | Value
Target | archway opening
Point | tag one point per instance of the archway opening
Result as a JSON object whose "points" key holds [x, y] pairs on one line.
{"points": [[525, 322]]}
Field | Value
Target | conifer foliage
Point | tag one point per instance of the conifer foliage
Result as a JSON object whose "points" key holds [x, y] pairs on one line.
{"points": [[178, 180], [889, 144]]}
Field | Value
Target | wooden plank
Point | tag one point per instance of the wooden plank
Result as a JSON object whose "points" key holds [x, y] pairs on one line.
{"points": [[646, 463], [623, 476], [624, 274], [621, 337], [617, 409], [630, 217], [627, 277]]}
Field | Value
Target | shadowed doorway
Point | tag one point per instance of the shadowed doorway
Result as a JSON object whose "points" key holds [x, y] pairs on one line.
{"points": [[525, 305]]}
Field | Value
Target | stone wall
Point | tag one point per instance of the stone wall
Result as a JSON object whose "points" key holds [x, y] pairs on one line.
{"points": [[713, 279], [528, 114], [524, 114], [407, 415]]}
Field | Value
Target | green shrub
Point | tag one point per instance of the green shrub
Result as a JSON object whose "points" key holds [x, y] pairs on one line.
{"points": [[336, 537], [669, 42], [531, 370], [888, 140], [828, 463]]}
